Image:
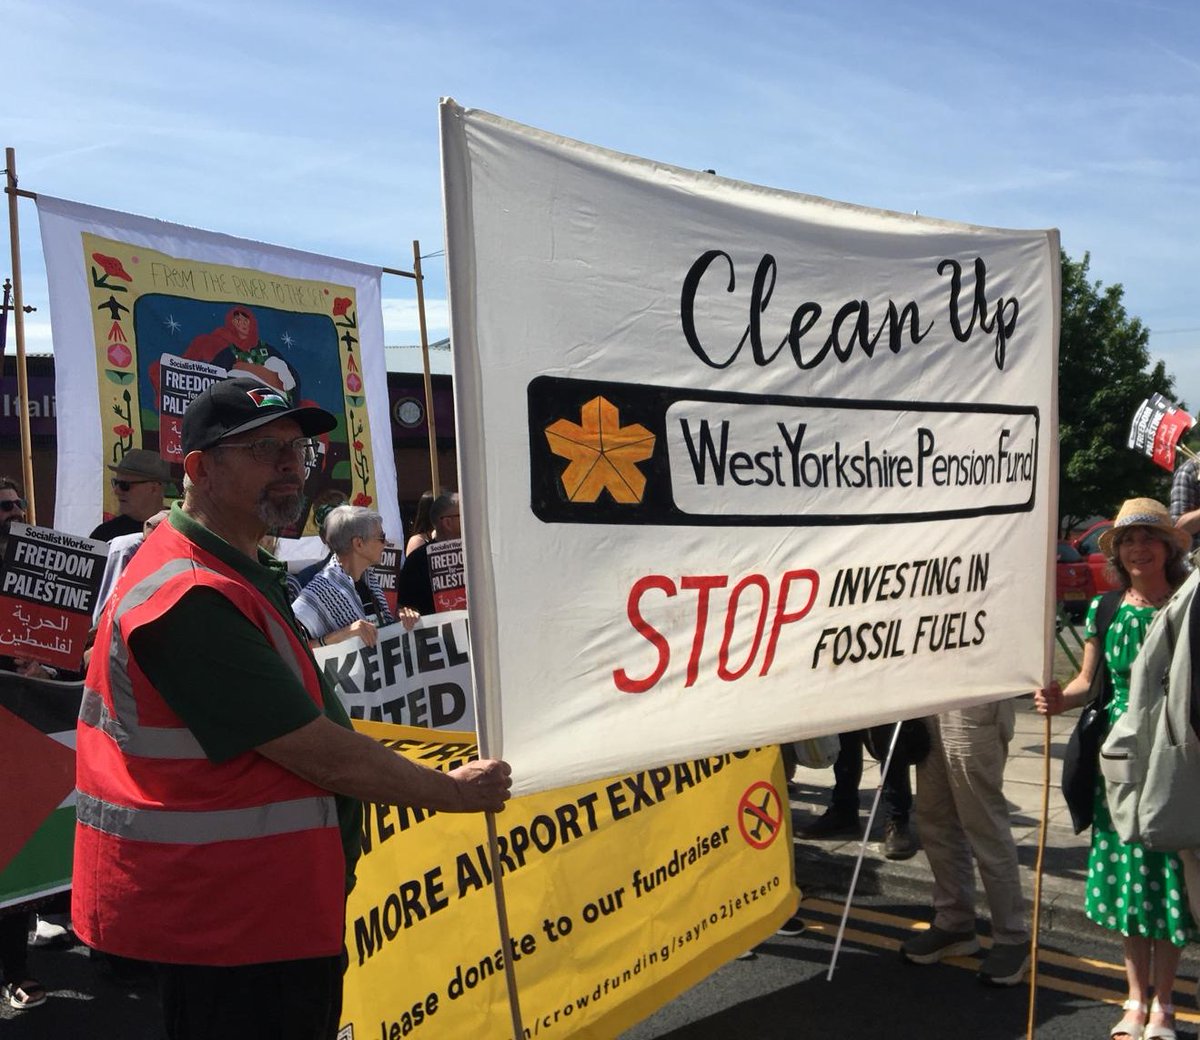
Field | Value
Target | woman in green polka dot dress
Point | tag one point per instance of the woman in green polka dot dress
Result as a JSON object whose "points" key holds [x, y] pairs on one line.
{"points": [[1131, 889]]}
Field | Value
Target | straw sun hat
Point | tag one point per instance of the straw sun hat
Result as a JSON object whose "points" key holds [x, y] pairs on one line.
{"points": [[1145, 512]]}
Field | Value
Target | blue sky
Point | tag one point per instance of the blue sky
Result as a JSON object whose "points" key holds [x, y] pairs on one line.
{"points": [[314, 125]]}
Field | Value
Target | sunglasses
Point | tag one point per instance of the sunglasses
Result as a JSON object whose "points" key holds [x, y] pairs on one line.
{"points": [[9, 504], [125, 485]]}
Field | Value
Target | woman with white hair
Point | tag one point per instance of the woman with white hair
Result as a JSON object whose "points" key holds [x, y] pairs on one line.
{"points": [[345, 599]]}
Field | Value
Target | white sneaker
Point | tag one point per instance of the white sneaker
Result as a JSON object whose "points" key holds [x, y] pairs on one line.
{"points": [[47, 933]]}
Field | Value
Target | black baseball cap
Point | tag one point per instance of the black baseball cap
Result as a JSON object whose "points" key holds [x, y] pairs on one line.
{"points": [[245, 403]]}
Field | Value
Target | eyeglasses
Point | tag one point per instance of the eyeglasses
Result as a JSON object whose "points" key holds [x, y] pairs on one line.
{"points": [[381, 537], [125, 485], [7, 505], [270, 450]]}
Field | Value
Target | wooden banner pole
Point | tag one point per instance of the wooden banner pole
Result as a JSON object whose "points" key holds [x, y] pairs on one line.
{"points": [[510, 973], [435, 478], [1039, 869], [14, 237]]}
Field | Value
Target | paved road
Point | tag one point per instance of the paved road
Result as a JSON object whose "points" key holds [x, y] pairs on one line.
{"points": [[782, 993]]}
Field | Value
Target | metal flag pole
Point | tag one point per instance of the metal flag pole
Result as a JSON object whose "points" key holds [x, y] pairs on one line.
{"points": [[862, 851], [14, 237]]}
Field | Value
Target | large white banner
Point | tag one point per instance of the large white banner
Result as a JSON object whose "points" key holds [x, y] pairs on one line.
{"points": [[146, 314], [739, 465]]}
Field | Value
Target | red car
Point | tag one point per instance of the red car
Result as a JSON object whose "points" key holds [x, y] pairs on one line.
{"points": [[1073, 585], [1088, 546]]}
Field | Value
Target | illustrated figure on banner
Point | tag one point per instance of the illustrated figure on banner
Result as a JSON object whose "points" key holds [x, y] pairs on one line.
{"points": [[236, 346], [239, 346]]}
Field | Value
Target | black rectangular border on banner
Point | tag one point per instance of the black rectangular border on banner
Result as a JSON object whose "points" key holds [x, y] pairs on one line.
{"points": [[552, 398]]}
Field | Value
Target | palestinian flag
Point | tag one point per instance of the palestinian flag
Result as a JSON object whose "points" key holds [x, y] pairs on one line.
{"points": [[37, 768]]}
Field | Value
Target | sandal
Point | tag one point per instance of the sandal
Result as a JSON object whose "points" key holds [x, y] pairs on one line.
{"points": [[1133, 1024], [25, 995], [1161, 1032]]}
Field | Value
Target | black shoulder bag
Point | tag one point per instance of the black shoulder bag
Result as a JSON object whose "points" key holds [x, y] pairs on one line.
{"points": [[1081, 761]]}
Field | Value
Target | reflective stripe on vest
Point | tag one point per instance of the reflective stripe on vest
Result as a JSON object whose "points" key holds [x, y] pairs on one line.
{"points": [[165, 827], [172, 742], [132, 739]]}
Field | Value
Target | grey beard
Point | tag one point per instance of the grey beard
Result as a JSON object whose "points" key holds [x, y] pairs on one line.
{"points": [[279, 512]]}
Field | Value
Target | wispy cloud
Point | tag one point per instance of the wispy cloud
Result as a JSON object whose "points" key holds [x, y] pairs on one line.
{"points": [[402, 324]]}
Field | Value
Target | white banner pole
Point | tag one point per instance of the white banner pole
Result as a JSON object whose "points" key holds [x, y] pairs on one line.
{"points": [[862, 851]]}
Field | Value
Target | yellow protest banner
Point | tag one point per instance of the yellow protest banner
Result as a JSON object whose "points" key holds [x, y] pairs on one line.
{"points": [[621, 894]]}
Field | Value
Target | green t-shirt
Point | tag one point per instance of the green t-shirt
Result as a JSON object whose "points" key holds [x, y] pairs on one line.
{"points": [[218, 672]]}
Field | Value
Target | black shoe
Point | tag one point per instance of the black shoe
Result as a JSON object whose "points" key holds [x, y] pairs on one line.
{"points": [[935, 944], [898, 841], [833, 823], [792, 927], [1006, 964]]}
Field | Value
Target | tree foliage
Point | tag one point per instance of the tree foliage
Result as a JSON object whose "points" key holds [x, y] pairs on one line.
{"points": [[1104, 373]]}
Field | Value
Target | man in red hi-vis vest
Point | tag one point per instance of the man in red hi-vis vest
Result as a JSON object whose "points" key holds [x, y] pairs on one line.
{"points": [[219, 781]]}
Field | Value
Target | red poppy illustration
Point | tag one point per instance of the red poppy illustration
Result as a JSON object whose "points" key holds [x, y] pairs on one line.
{"points": [[353, 383], [123, 431], [341, 304], [362, 499], [358, 445], [119, 355], [112, 266]]}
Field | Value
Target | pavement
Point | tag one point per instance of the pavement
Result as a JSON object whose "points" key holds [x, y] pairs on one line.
{"points": [[824, 868]]}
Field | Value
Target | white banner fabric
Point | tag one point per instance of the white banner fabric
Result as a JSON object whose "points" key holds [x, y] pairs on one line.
{"points": [[133, 299], [740, 465]]}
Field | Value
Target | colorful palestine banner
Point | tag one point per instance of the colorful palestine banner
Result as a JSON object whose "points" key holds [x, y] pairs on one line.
{"points": [[420, 677], [1157, 428], [147, 314], [744, 466], [621, 894], [37, 820], [49, 585]]}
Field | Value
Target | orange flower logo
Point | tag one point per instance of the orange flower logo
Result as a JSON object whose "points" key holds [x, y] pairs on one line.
{"points": [[603, 454]]}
